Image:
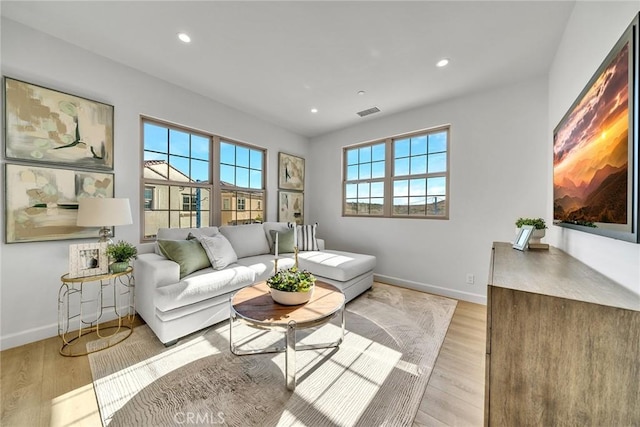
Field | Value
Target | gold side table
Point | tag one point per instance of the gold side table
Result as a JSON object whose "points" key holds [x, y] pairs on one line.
{"points": [[79, 321]]}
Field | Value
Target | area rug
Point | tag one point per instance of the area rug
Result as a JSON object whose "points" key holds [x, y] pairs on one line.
{"points": [[376, 377]]}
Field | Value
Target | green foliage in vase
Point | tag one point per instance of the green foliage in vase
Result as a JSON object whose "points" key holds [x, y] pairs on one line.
{"points": [[292, 280], [538, 223], [121, 251]]}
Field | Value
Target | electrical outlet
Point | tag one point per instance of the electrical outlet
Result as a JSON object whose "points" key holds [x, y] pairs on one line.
{"points": [[470, 279]]}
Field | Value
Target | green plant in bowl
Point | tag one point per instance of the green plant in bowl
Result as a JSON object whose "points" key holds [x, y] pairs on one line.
{"points": [[292, 280], [121, 253], [538, 223]]}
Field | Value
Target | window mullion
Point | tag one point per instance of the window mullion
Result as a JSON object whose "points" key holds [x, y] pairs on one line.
{"points": [[388, 178], [216, 196]]}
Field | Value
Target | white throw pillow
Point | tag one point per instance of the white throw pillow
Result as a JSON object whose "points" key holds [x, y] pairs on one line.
{"points": [[246, 240], [219, 251]]}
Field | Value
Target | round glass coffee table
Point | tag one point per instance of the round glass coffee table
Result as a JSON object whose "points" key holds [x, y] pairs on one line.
{"points": [[254, 306]]}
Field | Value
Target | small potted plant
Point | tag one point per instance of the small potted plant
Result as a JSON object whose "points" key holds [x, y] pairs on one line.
{"points": [[538, 224], [291, 286], [120, 253]]}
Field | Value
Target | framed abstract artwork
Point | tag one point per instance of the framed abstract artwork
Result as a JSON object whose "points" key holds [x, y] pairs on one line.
{"points": [[88, 259], [42, 203], [46, 126], [290, 207], [290, 172], [595, 149]]}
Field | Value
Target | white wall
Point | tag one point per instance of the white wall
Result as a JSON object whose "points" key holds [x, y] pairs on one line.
{"points": [[498, 172], [31, 271], [592, 30]]}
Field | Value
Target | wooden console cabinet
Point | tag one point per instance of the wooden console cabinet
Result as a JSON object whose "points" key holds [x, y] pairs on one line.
{"points": [[563, 343]]}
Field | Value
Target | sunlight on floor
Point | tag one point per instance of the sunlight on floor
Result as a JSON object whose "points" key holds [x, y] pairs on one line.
{"points": [[148, 370], [81, 403], [364, 370], [338, 385]]}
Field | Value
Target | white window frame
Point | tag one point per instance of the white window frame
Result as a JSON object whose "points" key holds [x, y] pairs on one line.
{"points": [[390, 176]]}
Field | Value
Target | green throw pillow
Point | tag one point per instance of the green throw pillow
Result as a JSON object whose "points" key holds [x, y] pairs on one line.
{"points": [[285, 241], [189, 254]]}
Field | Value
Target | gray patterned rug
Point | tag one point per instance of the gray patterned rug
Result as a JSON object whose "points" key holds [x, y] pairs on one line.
{"points": [[376, 377]]}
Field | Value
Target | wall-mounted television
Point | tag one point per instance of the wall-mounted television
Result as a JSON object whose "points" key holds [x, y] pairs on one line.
{"points": [[595, 149]]}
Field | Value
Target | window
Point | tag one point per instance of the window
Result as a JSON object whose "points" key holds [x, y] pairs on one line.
{"points": [[148, 198], [189, 202], [178, 177], [413, 183], [241, 183], [241, 203], [365, 172]]}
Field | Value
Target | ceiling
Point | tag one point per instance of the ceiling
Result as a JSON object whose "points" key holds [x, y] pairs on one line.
{"points": [[278, 60]]}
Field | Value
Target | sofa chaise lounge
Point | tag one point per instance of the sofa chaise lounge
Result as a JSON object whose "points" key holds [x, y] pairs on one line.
{"points": [[175, 306]]}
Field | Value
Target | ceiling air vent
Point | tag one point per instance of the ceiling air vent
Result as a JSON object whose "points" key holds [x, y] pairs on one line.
{"points": [[368, 111]]}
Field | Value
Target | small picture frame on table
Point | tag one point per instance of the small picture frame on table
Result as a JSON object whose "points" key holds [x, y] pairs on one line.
{"points": [[88, 259], [522, 239]]}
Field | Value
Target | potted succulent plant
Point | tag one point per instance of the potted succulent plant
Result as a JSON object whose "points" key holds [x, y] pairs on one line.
{"points": [[539, 225], [291, 286], [120, 253]]}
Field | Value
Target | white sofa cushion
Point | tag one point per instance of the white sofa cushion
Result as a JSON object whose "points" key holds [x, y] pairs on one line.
{"points": [[336, 265], [203, 284], [219, 251], [247, 240], [263, 265]]}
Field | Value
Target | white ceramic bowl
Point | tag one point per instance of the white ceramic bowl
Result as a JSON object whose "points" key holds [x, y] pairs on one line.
{"points": [[291, 298]]}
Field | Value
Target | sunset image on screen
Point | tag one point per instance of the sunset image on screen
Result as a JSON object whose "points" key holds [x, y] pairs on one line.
{"points": [[591, 151]]}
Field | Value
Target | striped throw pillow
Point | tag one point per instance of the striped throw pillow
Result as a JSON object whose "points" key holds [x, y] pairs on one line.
{"points": [[306, 237]]}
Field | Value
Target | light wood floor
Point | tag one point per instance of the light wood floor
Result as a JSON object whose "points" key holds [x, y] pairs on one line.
{"points": [[38, 387]]}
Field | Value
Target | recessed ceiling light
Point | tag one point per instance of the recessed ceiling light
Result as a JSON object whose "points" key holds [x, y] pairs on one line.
{"points": [[184, 37], [442, 63], [361, 92], [314, 110]]}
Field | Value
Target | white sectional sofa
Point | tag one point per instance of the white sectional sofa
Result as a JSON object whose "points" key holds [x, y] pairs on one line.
{"points": [[175, 306]]}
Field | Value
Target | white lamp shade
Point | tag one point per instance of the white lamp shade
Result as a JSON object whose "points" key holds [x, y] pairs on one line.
{"points": [[101, 212]]}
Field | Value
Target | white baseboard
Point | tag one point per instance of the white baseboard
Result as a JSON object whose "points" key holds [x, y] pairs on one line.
{"points": [[28, 336], [40, 333], [452, 293]]}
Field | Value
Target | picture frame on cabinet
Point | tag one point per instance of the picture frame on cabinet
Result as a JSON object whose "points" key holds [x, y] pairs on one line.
{"points": [[522, 239]]}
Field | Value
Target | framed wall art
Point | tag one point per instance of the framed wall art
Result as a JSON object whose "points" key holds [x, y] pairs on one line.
{"points": [[290, 172], [291, 207], [46, 126], [88, 259], [595, 149], [42, 203]]}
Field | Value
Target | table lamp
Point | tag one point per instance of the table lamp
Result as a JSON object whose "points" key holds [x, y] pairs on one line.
{"points": [[104, 213]]}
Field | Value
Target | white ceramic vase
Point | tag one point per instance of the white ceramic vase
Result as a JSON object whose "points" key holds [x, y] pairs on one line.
{"points": [[291, 298]]}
